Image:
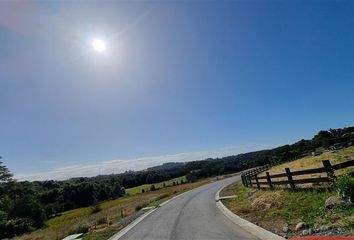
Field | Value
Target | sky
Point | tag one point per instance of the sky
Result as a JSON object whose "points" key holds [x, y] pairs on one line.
{"points": [[179, 81]]}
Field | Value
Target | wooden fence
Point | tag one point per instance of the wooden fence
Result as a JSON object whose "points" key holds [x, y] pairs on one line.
{"points": [[247, 176], [251, 178]]}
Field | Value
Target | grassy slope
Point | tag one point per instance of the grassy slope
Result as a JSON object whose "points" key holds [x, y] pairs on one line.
{"points": [[274, 209], [316, 162], [76, 220], [146, 187]]}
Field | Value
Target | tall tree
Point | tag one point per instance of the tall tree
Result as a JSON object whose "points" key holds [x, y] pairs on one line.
{"points": [[5, 174]]}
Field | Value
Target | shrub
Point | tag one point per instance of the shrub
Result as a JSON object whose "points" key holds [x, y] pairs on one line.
{"points": [[345, 187], [122, 190], [17, 226], [29, 208], [153, 188], [137, 208], [96, 208]]}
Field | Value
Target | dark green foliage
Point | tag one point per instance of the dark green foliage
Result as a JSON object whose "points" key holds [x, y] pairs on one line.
{"points": [[137, 208], [5, 174], [152, 188], [345, 187], [24, 206], [28, 207], [16, 226]]}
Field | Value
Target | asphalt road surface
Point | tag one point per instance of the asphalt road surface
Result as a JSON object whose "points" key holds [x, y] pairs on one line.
{"points": [[191, 216]]}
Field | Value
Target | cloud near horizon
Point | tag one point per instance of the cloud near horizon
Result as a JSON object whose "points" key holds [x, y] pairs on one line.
{"points": [[122, 165]]}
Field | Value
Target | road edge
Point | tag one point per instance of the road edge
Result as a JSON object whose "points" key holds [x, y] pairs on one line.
{"points": [[127, 228], [252, 228]]}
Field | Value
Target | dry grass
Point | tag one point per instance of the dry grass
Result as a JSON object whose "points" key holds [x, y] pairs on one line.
{"points": [[310, 162], [82, 219], [273, 209]]}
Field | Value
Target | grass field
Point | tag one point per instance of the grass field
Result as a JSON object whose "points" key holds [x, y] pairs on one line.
{"points": [[112, 211], [146, 187], [273, 209]]}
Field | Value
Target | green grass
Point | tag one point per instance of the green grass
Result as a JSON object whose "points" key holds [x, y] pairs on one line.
{"points": [[146, 187], [273, 209]]}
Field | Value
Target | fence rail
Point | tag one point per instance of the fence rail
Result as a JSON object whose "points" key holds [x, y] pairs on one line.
{"points": [[251, 178]]}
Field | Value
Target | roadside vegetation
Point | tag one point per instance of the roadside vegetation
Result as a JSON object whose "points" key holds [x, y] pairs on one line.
{"points": [[112, 215], [320, 210], [26, 206]]}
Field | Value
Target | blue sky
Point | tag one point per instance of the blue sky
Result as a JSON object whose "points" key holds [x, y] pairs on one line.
{"points": [[179, 81]]}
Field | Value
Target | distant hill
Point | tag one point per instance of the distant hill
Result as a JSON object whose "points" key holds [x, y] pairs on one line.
{"points": [[167, 166]]}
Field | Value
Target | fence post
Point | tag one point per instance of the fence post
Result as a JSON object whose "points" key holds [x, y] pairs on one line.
{"points": [[257, 182], [328, 167], [290, 178], [250, 178], [246, 180], [243, 180], [269, 180]]}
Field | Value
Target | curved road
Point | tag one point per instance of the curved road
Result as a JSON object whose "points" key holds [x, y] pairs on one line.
{"points": [[191, 216]]}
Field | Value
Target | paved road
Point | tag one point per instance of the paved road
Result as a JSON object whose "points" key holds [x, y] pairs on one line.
{"points": [[191, 216]]}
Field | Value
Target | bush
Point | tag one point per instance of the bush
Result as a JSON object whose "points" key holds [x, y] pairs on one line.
{"points": [[345, 187], [29, 208], [96, 208], [139, 207], [122, 191], [17, 226]]}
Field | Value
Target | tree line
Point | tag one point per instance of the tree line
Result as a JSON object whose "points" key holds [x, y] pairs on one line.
{"points": [[25, 206]]}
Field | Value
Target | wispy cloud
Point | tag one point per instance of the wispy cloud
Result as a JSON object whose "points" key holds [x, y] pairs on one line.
{"points": [[121, 165]]}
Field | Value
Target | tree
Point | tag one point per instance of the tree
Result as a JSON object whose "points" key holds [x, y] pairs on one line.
{"points": [[5, 174], [29, 207]]}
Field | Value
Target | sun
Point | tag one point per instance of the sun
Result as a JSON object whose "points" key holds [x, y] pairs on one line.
{"points": [[98, 45]]}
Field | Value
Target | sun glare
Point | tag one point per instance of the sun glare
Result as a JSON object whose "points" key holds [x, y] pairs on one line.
{"points": [[98, 45]]}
